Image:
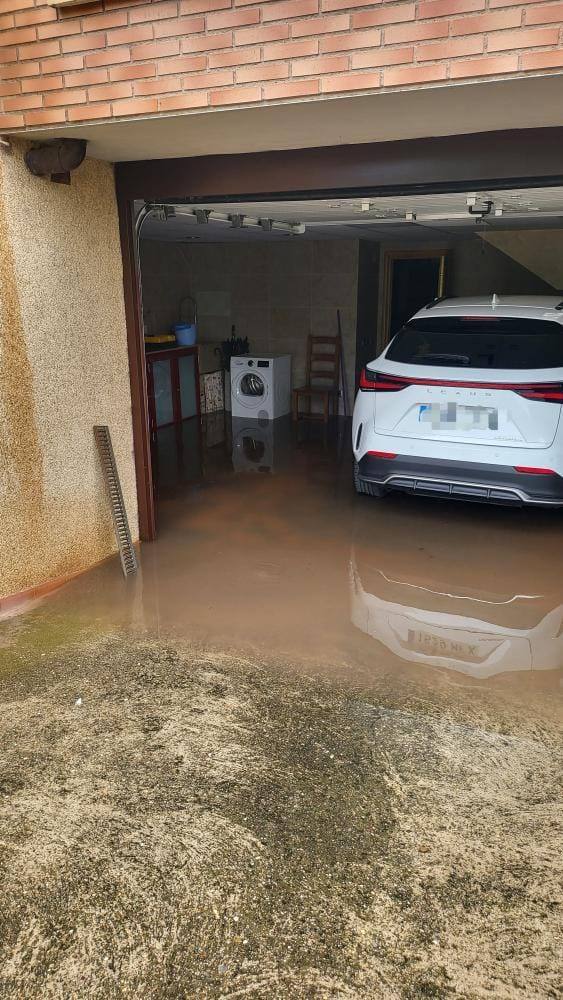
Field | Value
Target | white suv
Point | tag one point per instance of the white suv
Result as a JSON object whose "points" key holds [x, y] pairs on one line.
{"points": [[466, 402]]}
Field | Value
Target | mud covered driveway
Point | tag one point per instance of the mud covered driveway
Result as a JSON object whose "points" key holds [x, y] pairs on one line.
{"points": [[177, 822]]}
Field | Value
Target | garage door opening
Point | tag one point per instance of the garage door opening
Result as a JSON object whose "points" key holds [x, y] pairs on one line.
{"points": [[264, 540], [234, 293]]}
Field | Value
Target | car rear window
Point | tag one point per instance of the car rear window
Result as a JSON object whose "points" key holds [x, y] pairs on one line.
{"points": [[475, 342]]}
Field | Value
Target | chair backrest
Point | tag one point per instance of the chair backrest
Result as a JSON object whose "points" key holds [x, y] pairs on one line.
{"points": [[323, 362]]}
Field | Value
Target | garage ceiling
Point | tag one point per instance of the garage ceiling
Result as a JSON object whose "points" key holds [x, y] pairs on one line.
{"points": [[414, 218]]}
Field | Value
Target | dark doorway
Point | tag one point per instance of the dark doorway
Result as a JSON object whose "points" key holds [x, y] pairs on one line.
{"points": [[412, 279], [414, 283]]}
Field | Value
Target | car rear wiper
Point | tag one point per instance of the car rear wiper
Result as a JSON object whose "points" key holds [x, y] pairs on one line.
{"points": [[446, 359]]}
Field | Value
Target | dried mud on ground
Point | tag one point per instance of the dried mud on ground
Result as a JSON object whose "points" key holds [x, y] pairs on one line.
{"points": [[202, 826]]}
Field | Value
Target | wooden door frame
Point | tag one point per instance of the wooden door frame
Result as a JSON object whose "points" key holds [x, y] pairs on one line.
{"points": [[513, 158], [137, 372], [389, 258]]}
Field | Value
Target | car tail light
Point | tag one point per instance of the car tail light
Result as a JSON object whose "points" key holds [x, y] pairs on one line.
{"points": [[376, 382], [544, 392], [530, 470], [382, 454]]}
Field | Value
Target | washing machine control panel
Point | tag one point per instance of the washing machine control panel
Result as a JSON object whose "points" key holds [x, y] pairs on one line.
{"points": [[263, 364]]}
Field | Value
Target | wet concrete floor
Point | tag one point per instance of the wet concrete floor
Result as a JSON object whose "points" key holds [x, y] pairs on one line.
{"points": [[313, 750]]}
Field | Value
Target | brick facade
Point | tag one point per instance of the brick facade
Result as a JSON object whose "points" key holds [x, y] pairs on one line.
{"points": [[121, 58]]}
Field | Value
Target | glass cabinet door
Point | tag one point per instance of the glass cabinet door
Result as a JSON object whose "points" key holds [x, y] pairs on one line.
{"points": [[187, 385], [162, 381]]}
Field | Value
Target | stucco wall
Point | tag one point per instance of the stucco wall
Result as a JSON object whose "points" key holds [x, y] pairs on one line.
{"points": [[63, 368], [276, 294]]}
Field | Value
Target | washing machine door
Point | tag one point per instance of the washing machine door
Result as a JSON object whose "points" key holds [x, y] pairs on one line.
{"points": [[251, 390]]}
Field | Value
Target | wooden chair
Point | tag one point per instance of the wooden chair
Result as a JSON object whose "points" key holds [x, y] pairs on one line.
{"points": [[323, 378]]}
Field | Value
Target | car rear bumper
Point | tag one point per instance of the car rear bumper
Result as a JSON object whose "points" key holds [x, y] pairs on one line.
{"points": [[480, 482]]}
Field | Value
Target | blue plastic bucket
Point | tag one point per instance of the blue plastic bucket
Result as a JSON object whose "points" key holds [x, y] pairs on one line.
{"points": [[186, 334]]}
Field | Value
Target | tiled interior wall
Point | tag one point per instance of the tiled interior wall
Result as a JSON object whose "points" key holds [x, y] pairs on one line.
{"points": [[276, 294]]}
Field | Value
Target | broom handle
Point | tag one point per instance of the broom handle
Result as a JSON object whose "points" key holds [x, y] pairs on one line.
{"points": [[342, 368]]}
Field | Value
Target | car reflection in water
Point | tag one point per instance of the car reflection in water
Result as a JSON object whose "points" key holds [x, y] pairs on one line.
{"points": [[477, 633]]}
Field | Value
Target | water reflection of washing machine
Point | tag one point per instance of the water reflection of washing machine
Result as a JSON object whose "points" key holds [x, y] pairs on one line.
{"points": [[253, 446], [259, 445], [261, 386]]}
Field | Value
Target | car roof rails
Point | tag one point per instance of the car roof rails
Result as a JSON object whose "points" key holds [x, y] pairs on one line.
{"points": [[441, 298]]}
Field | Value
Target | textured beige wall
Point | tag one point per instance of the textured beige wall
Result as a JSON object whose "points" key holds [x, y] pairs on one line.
{"points": [[276, 294], [63, 368], [538, 250]]}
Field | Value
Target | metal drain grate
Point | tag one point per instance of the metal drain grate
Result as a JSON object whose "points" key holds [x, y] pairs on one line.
{"points": [[127, 552]]}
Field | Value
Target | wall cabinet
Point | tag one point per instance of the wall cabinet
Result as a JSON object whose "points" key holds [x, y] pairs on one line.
{"points": [[173, 386]]}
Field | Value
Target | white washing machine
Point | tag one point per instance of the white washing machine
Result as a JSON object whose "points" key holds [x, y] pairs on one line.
{"points": [[261, 386]]}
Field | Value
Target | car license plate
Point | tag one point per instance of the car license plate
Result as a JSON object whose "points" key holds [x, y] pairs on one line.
{"points": [[458, 416], [420, 641]]}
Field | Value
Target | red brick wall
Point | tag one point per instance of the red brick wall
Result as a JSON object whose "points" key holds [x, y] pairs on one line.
{"points": [[117, 58]]}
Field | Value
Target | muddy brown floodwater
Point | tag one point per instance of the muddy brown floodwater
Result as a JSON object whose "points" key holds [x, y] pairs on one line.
{"points": [[312, 751]]}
